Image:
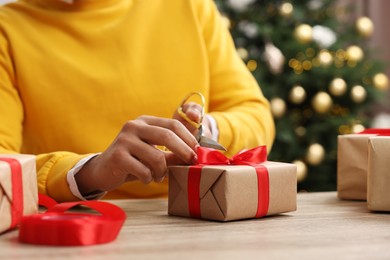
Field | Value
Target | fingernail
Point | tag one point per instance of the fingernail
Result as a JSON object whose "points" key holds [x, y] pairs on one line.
{"points": [[160, 179], [195, 159], [149, 180]]}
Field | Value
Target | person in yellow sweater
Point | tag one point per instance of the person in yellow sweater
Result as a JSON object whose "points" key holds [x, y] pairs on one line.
{"points": [[91, 88]]}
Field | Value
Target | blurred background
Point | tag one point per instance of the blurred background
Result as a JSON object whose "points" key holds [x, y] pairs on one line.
{"points": [[324, 66]]}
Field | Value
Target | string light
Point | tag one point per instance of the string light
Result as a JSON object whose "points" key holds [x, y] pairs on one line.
{"points": [[307, 65], [325, 57], [358, 128], [340, 54], [344, 129], [310, 52], [252, 65]]}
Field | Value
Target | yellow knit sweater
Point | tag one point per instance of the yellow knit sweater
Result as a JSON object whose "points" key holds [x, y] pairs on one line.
{"points": [[72, 74]]}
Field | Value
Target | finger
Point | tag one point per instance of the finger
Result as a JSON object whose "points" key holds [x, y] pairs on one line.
{"points": [[172, 159], [170, 133], [169, 139], [191, 128], [126, 162], [151, 157], [135, 168], [193, 111], [131, 178]]}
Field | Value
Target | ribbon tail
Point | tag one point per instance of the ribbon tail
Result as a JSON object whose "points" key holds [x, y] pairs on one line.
{"points": [[263, 191], [17, 190]]}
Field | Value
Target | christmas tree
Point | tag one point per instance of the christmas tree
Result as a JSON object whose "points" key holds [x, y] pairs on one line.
{"points": [[313, 62]]}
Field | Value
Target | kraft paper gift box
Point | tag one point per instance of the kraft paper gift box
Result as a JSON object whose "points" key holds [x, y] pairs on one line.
{"points": [[352, 160], [232, 192], [378, 187], [18, 189], [352, 163]]}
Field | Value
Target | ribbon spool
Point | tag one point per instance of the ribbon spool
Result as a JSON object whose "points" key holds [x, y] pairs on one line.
{"points": [[60, 228]]}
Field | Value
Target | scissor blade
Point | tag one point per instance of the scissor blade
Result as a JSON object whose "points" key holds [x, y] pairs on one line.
{"points": [[210, 143]]}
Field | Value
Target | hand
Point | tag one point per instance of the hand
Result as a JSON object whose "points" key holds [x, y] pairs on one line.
{"points": [[133, 155], [193, 112]]}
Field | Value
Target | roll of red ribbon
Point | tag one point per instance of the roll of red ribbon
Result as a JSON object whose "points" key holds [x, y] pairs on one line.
{"points": [[58, 227]]}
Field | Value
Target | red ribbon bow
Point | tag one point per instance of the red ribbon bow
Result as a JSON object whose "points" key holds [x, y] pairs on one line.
{"points": [[57, 227], [207, 156], [253, 156]]}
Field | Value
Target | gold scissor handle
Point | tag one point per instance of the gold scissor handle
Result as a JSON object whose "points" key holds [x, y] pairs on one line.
{"points": [[203, 140], [185, 117]]}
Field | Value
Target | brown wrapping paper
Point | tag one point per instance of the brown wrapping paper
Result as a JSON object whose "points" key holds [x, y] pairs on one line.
{"points": [[352, 163], [230, 192], [30, 190], [378, 187]]}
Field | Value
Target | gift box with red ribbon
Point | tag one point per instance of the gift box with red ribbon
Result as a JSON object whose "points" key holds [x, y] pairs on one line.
{"points": [[378, 176], [352, 163], [220, 188], [18, 189]]}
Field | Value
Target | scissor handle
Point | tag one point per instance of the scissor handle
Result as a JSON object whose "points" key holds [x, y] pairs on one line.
{"points": [[183, 115]]}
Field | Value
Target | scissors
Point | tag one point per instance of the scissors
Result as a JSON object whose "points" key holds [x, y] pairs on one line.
{"points": [[202, 140]]}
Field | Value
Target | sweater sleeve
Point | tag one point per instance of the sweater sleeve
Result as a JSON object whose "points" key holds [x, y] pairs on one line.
{"points": [[235, 99], [11, 107], [52, 167]]}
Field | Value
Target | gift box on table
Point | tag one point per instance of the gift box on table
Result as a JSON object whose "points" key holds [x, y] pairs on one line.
{"points": [[352, 163], [378, 186], [18, 189], [352, 152], [222, 191]]}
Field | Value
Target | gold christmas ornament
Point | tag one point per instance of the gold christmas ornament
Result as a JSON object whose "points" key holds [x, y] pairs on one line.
{"points": [[358, 94], [365, 26], [243, 53], [303, 33], [344, 129], [354, 53], [358, 128], [341, 55], [325, 58], [301, 170], [300, 131], [226, 22], [315, 154], [337, 87], [278, 107], [286, 9], [381, 81], [252, 65], [297, 95], [322, 102]]}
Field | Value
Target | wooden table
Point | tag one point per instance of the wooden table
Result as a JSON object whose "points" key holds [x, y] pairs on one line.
{"points": [[323, 227]]}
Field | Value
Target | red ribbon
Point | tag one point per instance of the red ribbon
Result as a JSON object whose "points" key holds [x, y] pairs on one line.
{"points": [[253, 157], [377, 131], [60, 228], [17, 190]]}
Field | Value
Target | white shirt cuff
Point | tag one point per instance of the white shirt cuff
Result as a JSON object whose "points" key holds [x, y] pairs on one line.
{"points": [[213, 127], [72, 181]]}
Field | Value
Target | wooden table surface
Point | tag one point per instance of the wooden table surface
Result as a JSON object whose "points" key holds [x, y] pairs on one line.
{"points": [[323, 227]]}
